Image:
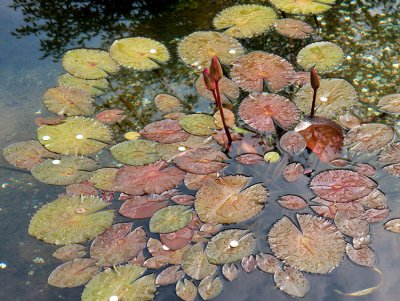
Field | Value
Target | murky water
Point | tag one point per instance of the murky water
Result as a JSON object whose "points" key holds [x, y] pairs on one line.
{"points": [[367, 30]]}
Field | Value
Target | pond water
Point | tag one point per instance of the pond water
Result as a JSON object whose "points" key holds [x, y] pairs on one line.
{"points": [[35, 34]]}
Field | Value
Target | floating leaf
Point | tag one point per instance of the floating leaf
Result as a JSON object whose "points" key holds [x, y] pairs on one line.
{"points": [[161, 255], [292, 143], [369, 137], [250, 159], [186, 290], [95, 87], [318, 247], [85, 188], [139, 53], [293, 172], [118, 244], [390, 154], [303, 8], [292, 202], [272, 157], [70, 252], [26, 154], [171, 219], [153, 178], [225, 201], [132, 135], [104, 178], [293, 28], [324, 56], [230, 246], [167, 103], [170, 275], [183, 199], [64, 171], [198, 48], [261, 110], [363, 256], [257, 68], [393, 225], [135, 152], [70, 220], [349, 121], [230, 271], [393, 169], [39, 121], [249, 263], [353, 227], [245, 21], [122, 281], [197, 124], [375, 200], [142, 206], [365, 169], [229, 119], [111, 116], [292, 282], [75, 136], [195, 181], [74, 273], [88, 63], [195, 262], [210, 287], [227, 88], [164, 131], [341, 185], [267, 263], [177, 240], [390, 104], [375, 215], [201, 160]]}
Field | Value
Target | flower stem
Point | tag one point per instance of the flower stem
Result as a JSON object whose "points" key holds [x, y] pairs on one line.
{"points": [[217, 98]]}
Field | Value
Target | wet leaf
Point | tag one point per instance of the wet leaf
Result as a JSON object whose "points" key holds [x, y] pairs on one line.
{"points": [[177, 240], [292, 142], [393, 169], [163, 255], [164, 131], [154, 178], [250, 159], [197, 124], [390, 104], [365, 169], [85, 188], [170, 275], [375, 200], [111, 116], [375, 215], [74, 273], [135, 152], [167, 103], [122, 281], [293, 28], [170, 219], [39, 121], [186, 290], [272, 157], [104, 178], [142, 206], [201, 160], [195, 262], [225, 201], [70, 252], [267, 263], [293, 172], [210, 287], [95, 87], [227, 88], [249, 263], [325, 56], [230, 271], [292, 202], [352, 227], [183, 199], [118, 244], [229, 119], [292, 282], [230, 246], [195, 181], [363, 256], [393, 225]]}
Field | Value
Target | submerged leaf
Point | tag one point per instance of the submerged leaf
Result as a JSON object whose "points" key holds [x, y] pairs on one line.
{"points": [[201, 160], [292, 282], [195, 262], [170, 219], [210, 287]]}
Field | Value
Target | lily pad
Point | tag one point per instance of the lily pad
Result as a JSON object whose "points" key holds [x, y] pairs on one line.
{"points": [[268, 263], [225, 200], [250, 159], [95, 87], [167, 103], [227, 88], [393, 225], [303, 7], [293, 28], [111, 116], [201, 160], [171, 219], [230, 271], [324, 56], [390, 104], [118, 244], [195, 262], [363, 256], [170, 275], [70, 252], [186, 290], [292, 202], [210, 288], [64, 171], [177, 240], [198, 124], [135, 152], [142, 206], [230, 246], [194, 181], [104, 178], [292, 142], [74, 273], [69, 220], [161, 255], [123, 282], [164, 131], [293, 172], [249, 263], [292, 282], [75, 136]]}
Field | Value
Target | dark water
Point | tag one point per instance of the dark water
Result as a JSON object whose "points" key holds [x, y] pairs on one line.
{"points": [[29, 64]]}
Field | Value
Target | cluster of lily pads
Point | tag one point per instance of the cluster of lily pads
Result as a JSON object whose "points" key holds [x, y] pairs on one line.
{"points": [[178, 174]]}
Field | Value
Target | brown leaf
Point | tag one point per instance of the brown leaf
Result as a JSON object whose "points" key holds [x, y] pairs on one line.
{"points": [[292, 202], [375, 215], [250, 159], [183, 199], [201, 160], [70, 252], [142, 206], [267, 263], [291, 281], [230, 271], [363, 256], [164, 131], [393, 225], [351, 227], [170, 275], [111, 116], [177, 240], [186, 290], [249, 263]]}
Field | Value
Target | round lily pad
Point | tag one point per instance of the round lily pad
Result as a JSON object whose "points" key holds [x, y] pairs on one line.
{"points": [[64, 171], [293, 28], [324, 56], [123, 282], [71, 219], [167, 103], [136, 152], [171, 219], [88, 63], [230, 246], [390, 104], [303, 7], [75, 136], [164, 131], [198, 124], [104, 178], [195, 263], [95, 87], [139, 53]]}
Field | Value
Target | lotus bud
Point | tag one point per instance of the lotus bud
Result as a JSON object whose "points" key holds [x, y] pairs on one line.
{"points": [[314, 78], [216, 69], [209, 83]]}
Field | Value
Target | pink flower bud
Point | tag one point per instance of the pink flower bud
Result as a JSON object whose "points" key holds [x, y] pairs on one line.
{"points": [[216, 69], [209, 83], [314, 78]]}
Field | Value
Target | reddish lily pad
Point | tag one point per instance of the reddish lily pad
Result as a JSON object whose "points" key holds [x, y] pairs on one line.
{"points": [[353, 227], [111, 116], [250, 159], [292, 142], [70, 252], [292, 202], [375, 200], [228, 89], [74, 273], [177, 240], [170, 275], [153, 178], [230, 271], [365, 169], [293, 172], [118, 244], [261, 110], [249, 263], [375, 215], [183, 199], [363, 256], [267, 263], [164, 131], [171, 219], [162, 255], [293, 28], [201, 160], [194, 181], [142, 206], [39, 121]]}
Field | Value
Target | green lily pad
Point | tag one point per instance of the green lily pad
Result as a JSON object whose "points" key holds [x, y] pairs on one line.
{"points": [[325, 56], [104, 178], [64, 171], [136, 152], [123, 282], [95, 87], [171, 219], [71, 219], [195, 263], [230, 246], [75, 136], [198, 124], [210, 287], [186, 290]]}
